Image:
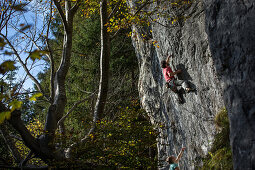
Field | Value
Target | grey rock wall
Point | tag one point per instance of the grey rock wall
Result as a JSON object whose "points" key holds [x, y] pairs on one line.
{"points": [[189, 124], [215, 49], [230, 26]]}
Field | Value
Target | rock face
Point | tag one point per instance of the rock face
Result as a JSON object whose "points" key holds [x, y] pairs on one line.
{"points": [[213, 44], [230, 26]]}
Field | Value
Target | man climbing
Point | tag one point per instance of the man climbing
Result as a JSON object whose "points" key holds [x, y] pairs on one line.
{"points": [[171, 81], [173, 161]]}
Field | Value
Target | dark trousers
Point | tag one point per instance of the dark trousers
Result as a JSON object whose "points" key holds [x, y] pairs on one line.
{"points": [[175, 85]]}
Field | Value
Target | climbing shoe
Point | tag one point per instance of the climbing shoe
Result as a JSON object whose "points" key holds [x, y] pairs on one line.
{"points": [[187, 90]]}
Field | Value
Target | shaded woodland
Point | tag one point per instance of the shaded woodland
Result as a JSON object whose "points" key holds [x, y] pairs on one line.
{"points": [[84, 109]]}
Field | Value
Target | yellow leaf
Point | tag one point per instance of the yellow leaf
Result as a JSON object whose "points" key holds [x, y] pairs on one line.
{"points": [[15, 104], [91, 136], [36, 54], [34, 96]]}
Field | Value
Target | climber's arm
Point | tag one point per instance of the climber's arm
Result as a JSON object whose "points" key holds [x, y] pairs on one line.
{"points": [[180, 155], [174, 73], [168, 59]]}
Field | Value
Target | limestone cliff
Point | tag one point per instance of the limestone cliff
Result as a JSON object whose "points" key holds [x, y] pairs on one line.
{"points": [[216, 54]]}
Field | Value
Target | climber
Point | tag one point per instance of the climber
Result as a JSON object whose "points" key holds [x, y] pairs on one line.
{"points": [[172, 160], [171, 81]]}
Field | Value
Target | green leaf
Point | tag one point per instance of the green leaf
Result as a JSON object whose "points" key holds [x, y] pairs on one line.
{"points": [[36, 54], [7, 66], [15, 104], [2, 83], [34, 96], [4, 115], [7, 115]]}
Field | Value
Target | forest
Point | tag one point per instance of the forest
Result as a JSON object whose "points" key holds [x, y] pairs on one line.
{"points": [[83, 110]]}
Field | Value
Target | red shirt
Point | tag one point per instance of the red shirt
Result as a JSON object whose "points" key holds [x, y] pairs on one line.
{"points": [[166, 72]]}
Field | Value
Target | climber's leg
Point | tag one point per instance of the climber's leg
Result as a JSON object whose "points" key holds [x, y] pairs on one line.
{"points": [[184, 84], [173, 87]]}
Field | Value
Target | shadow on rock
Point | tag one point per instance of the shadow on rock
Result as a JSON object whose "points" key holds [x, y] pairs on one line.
{"points": [[184, 75]]}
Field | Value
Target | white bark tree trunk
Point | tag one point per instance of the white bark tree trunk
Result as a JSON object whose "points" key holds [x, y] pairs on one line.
{"points": [[104, 62], [44, 146]]}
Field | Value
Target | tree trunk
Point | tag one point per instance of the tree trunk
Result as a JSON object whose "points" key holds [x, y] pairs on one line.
{"points": [[104, 71], [44, 147], [104, 62], [56, 110]]}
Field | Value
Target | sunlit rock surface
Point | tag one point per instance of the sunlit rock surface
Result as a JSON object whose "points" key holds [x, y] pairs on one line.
{"points": [[204, 45]]}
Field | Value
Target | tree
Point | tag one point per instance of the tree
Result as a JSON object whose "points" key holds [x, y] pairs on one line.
{"points": [[45, 146]]}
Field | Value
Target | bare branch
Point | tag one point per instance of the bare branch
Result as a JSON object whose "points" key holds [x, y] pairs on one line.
{"points": [[61, 13], [75, 7], [28, 157], [32, 92], [74, 106], [83, 91], [31, 39], [142, 6], [5, 16], [16, 137], [34, 34], [104, 68], [160, 23], [24, 66], [115, 34], [50, 56], [114, 9], [22, 83]]}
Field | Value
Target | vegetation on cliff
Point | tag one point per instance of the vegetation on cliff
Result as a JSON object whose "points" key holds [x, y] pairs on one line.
{"points": [[220, 156]]}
